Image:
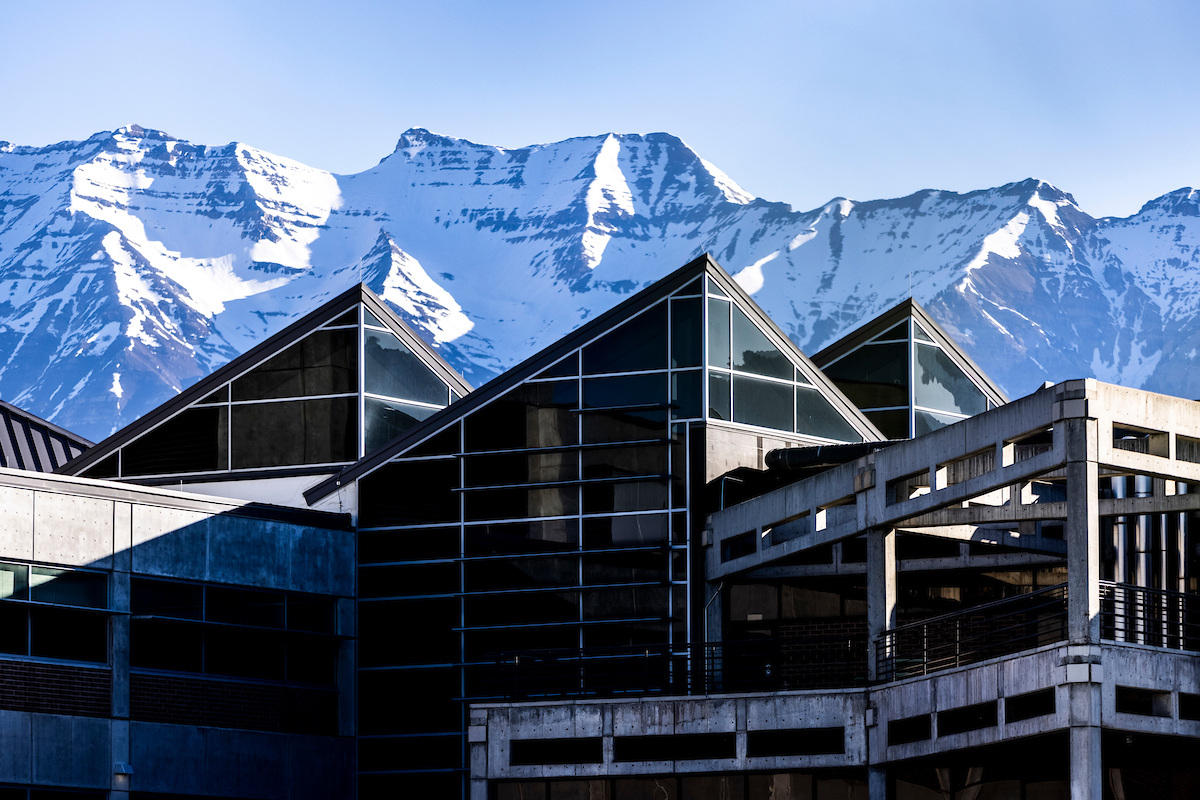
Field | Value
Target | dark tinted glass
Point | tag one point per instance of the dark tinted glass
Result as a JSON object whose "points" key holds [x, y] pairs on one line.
{"points": [[624, 426], [522, 609], [195, 441], [409, 493], [718, 333], [68, 588], [640, 530], [244, 653], [164, 644], [719, 396], [942, 385], [166, 599], [387, 419], [416, 545], [625, 390], [520, 573], [295, 432], [435, 578], [639, 344], [382, 709], [920, 335], [311, 659], [693, 287], [632, 601], [14, 629], [757, 402], [531, 415], [754, 352], [687, 333], [926, 421], [873, 376], [565, 368], [324, 362], [219, 396], [371, 319], [515, 503], [14, 581], [898, 331], [892, 424], [625, 568], [713, 288], [245, 607], [513, 468], [623, 462], [68, 633], [395, 371], [349, 318], [443, 443], [393, 632], [606, 498], [816, 417], [687, 394], [105, 468], [522, 537], [311, 613]]}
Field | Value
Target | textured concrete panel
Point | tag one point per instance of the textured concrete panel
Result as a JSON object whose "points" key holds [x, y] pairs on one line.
{"points": [[16, 523], [245, 764], [69, 529], [170, 542], [322, 561], [167, 758], [250, 552], [321, 768], [71, 751], [16, 746], [122, 537]]}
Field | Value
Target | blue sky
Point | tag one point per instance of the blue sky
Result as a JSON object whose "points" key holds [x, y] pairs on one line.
{"points": [[797, 101]]}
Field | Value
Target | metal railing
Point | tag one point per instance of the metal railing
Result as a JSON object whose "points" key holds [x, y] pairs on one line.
{"points": [[1154, 617], [976, 634]]}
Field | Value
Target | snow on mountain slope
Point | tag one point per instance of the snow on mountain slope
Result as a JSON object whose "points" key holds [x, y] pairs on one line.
{"points": [[133, 263]]}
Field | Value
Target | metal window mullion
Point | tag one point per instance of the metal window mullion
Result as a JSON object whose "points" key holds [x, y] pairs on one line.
{"points": [[362, 382]]}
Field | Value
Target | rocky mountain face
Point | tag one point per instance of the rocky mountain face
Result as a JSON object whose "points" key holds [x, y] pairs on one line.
{"points": [[133, 263]]}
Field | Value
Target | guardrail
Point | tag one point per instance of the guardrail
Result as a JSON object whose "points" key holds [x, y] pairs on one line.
{"points": [[1154, 617]]}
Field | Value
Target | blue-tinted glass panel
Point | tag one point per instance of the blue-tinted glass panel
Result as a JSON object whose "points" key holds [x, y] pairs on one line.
{"points": [[942, 385], [874, 376], [687, 394], [639, 344], [765, 403], [713, 288], [754, 352], [371, 319], [816, 417], [538, 536], [718, 333], [324, 362], [531, 415], [387, 419], [899, 331], [719, 397], [625, 390], [687, 333], [295, 432], [395, 371], [926, 421], [68, 588], [920, 335], [624, 426], [499, 469], [566, 368], [349, 318]]}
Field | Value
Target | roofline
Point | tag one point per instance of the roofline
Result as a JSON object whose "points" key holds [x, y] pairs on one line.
{"points": [[905, 308], [704, 264], [359, 293], [50, 426]]}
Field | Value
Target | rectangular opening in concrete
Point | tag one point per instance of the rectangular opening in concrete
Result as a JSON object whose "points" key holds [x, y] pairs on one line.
{"points": [[1029, 705], [786, 529], [1189, 706], [796, 742], [737, 546], [1187, 449], [1144, 702], [968, 718], [1028, 445], [529, 752], [908, 487], [972, 465], [910, 729], [674, 747], [1140, 440]]}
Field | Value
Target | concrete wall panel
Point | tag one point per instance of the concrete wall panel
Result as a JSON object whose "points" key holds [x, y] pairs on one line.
{"points": [[247, 551], [16, 747], [171, 542], [246, 764], [321, 769], [322, 561], [16, 523], [71, 751], [74, 530], [167, 758]]}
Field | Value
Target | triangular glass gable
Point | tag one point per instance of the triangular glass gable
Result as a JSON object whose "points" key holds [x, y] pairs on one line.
{"points": [[323, 392]]}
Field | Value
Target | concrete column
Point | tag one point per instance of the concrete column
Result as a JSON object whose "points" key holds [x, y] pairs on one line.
{"points": [[1083, 531], [881, 594], [1087, 775], [877, 782]]}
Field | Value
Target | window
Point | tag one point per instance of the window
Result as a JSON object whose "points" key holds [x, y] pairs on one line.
{"points": [[53, 613]]}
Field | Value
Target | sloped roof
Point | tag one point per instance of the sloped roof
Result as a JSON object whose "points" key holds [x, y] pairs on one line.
{"points": [[894, 316], [260, 352], [31, 443], [536, 363]]}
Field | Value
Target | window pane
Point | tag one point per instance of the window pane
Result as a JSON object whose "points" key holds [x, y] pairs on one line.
{"points": [[388, 630], [920, 335], [624, 426], [311, 659], [626, 390], [409, 493], [68, 587], [244, 653], [408, 580], [523, 537], [757, 402], [618, 497], [311, 613], [687, 342], [625, 567], [621, 462], [514, 468], [371, 319], [520, 573], [387, 419], [754, 352], [68, 633], [163, 644], [219, 396], [720, 399], [633, 601], [926, 421], [195, 441], [166, 599], [14, 581], [553, 501], [687, 394], [295, 432], [567, 367], [640, 530], [816, 417], [874, 376], [105, 468], [14, 629], [415, 545], [349, 318], [531, 415], [245, 607], [383, 709], [395, 371], [942, 385], [444, 443], [522, 609], [892, 424], [718, 333], [639, 344], [324, 362]]}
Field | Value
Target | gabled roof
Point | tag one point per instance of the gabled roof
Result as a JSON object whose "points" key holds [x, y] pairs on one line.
{"points": [[31, 443], [894, 316], [573, 341], [259, 353]]}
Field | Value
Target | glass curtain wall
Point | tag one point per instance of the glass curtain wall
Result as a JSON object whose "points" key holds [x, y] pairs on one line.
{"points": [[300, 407], [905, 383]]}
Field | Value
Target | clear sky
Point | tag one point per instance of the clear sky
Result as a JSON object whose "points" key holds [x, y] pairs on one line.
{"points": [[797, 101]]}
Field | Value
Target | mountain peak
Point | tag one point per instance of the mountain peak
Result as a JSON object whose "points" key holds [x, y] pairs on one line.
{"points": [[136, 131]]}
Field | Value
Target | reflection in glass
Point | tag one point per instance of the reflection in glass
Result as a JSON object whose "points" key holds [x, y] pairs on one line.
{"points": [[409, 493], [14, 581], [874, 376], [754, 352], [639, 344], [219, 396], [815, 416], [196, 440], [516, 468], [393, 370], [718, 333], [892, 424], [625, 390], [531, 415], [553, 501], [719, 397], [295, 432], [541, 536], [624, 426], [763, 403], [349, 318], [68, 587], [324, 362], [687, 341], [633, 531], [942, 385], [605, 498], [920, 335], [687, 394], [619, 462], [387, 419], [927, 421], [371, 319]]}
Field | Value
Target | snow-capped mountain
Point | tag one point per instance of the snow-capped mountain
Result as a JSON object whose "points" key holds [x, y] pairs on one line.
{"points": [[135, 263]]}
